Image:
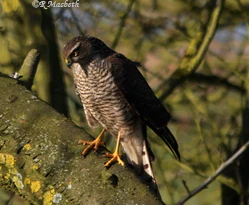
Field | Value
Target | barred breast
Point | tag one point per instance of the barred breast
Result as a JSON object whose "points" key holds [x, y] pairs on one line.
{"points": [[100, 96]]}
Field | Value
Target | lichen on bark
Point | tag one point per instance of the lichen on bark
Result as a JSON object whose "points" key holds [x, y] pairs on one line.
{"points": [[41, 160]]}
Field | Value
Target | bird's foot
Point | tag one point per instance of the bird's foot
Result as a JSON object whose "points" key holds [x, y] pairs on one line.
{"points": [[92, 144], [114, 157]]}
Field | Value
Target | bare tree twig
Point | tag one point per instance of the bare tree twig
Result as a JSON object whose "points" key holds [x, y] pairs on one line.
{"points": [[76, 21], [244, 12], [154, 74], [216, 80], [203, 140], [185, 186], [122, 24], [216, 174], [208, 80]]}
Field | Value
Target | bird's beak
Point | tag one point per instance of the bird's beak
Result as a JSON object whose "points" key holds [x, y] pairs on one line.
{"points": [[68, 63]]}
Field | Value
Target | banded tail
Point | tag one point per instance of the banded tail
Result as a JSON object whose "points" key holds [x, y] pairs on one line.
{"points": [[139, 156]]}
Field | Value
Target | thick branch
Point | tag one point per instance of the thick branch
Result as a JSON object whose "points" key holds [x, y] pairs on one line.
{"points": [[29, 68], [41, 160], [196, 50]]}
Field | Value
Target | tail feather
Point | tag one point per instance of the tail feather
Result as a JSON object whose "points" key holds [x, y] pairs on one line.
{"points": [[147, 167], [139, 156], [147, 162], [139, 159], [165, 134]]}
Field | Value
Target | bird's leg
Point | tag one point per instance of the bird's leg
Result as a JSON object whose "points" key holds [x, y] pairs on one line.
{"points": [[93, 144], [115, 156]]}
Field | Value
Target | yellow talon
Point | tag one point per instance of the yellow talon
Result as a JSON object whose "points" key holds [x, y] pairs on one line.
{"points": [[93, 144], [98, 142], [115, 156]]}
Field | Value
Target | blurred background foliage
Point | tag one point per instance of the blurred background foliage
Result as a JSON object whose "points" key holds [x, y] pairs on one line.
{"points": [[210, 109]]}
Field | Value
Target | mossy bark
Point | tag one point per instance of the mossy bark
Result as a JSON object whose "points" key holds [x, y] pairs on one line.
{"points": [[41, 160], [22, 28]]}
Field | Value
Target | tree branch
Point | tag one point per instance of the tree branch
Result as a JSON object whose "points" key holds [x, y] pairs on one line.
{"points": [[122, 24], [215, 80], [76, 22], [29, 68], [216, 174], [40, 158], [196, 50]]}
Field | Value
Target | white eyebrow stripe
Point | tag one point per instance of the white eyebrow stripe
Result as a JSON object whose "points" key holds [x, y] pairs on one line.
{"points": [[76, 46]]}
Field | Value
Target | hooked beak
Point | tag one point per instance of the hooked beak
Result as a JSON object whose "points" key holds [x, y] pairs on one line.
{"points": [[68, 63]]}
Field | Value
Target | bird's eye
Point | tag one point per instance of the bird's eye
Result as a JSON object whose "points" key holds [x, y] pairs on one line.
{"points": [[75, 54]]}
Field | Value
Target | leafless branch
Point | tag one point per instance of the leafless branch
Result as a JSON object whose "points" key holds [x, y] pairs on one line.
{"points": [[122, 24], [216, 80], [76, 21], [204, 185], [185, 186]]}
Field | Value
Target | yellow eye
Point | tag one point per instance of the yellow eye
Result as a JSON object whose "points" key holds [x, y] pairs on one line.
{"points": [[75, 54]]}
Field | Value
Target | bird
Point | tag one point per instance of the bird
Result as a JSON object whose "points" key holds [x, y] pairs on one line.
{"points": [[116, 96]]}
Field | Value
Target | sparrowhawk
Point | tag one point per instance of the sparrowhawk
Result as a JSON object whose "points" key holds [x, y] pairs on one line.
{"points": [[115, 95]]}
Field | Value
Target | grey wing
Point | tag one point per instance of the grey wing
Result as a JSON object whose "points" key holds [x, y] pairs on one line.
{"points": [[142, 99]]}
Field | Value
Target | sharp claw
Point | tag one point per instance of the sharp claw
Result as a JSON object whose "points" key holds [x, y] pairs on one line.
{"points": [[102, 144], [108, 155], [114, 157], [80, 141], [92, 144], [95, 145]]}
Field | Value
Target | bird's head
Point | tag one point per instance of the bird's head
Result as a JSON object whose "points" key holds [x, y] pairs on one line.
{"points": [[82, 49]]}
